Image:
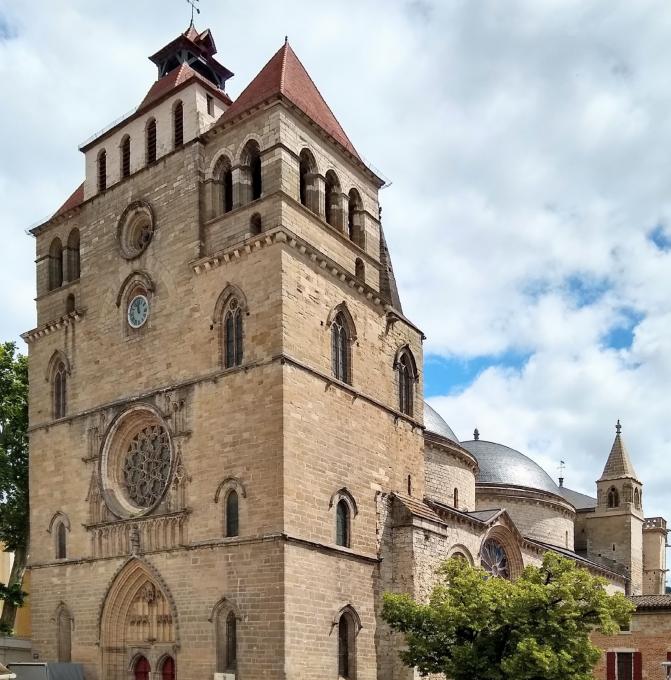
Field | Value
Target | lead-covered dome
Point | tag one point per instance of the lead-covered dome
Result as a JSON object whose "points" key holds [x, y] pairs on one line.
{"points": [[434, 422], [503, 466]]}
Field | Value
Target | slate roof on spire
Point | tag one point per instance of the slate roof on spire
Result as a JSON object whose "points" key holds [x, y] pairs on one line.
{"points": [[387, 278], [284, 75], [619, 464]]}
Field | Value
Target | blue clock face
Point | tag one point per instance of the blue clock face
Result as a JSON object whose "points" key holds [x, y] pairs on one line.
{"points": [[138, 311]]}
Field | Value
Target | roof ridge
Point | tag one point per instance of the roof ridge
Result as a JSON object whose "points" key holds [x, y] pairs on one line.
{"points": [[285, 78], [283, 70]]}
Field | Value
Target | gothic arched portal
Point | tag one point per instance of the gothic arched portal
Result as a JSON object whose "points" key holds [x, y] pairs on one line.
{"points": [[138, 615]]}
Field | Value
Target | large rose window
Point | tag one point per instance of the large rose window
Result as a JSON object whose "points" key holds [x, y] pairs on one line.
{"points": [[146, 469], [136, 462], [494, 558]]}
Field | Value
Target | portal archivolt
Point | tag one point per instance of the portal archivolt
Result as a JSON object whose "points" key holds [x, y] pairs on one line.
{"points": [[138, 616]]}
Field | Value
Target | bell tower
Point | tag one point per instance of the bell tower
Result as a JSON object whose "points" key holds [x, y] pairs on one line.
{"points": [[615, 530]]}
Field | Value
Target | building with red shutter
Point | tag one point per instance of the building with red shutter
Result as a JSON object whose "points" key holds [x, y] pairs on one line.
{"points": [[638, 653]]}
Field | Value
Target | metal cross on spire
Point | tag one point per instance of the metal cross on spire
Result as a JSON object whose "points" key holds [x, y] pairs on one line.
{"points": [[194, 8]]}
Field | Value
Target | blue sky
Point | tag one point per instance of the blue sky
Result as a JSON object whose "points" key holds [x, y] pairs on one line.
{"points": [[528, 147]]}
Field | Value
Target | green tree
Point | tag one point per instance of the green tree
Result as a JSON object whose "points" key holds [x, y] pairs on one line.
{"points": [[476, 627], [14, 523]]}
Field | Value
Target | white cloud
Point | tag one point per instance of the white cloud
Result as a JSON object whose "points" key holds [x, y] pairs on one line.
{"points": [[528, 145]]}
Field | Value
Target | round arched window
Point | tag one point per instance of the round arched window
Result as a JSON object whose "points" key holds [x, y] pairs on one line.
{"points": [[136, 463], [494, 559]]}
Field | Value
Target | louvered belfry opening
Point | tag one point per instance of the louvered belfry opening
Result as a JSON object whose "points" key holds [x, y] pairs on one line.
{"points": [[125, 157], [151, 141], [178, 115]]}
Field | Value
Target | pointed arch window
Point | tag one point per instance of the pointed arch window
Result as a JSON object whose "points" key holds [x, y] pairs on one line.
{"points": [[456, 498], [226, 634], [59, 390], [343, 524], [406, 382], [223, 184], [637, 499], [125, 157], [55, 264], [102, 170], [354, 226], [360, 269], [231, 641], [151, 141], [233, 334], [340, 348], [347, 646], [307, 180], [64, 634], [250, 170], [332, 198], [613, 497], [232, 514], [255, 224], [178, 124], [61, 542], [74, 265]]}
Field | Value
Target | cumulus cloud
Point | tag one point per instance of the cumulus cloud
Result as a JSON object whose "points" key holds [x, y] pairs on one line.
{"points": [[528, 215]]}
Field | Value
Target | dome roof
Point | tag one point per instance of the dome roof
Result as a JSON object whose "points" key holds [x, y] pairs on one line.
{"points": [[434, 423], [504, 466]]}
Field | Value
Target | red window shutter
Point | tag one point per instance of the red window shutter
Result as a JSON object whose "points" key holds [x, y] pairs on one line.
{"points": [[610, 666], [638, 666]]}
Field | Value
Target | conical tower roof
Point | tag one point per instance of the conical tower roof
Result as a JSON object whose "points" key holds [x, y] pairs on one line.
{"points": [[284, 75], [618, 465]]}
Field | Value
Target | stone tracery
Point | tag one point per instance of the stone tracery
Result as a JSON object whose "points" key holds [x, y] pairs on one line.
{"points": [[494, 558], [137, 462], [146, 468]]}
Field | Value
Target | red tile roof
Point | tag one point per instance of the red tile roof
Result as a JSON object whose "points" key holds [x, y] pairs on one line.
{"points": [[191, 33], [75, 199], [285, 75], [651, 601], [178, 76]]}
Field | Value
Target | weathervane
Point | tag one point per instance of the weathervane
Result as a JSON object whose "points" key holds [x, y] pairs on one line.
{"points": [[194, 8]]}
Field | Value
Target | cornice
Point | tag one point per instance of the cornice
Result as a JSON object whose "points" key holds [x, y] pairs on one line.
{"points": [[526, 495], [286, 236], [451, 448], [52, 326], [328, 548]]}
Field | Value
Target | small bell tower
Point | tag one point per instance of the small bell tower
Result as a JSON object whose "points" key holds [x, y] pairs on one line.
{"points": [[196, 50], [615, 530]]}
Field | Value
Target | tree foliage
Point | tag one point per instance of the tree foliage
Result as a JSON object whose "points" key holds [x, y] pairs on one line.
{"points": [[476, 627], [14, 522]]}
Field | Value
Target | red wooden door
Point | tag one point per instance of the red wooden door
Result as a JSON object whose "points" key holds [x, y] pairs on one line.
{"points": [[168, 669], [142, 669]]}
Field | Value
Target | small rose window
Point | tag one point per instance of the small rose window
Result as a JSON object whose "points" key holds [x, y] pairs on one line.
{"points": [[136, 229]]}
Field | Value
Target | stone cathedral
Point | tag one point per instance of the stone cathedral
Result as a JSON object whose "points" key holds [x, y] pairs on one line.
{"points": [[230, 456]]}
